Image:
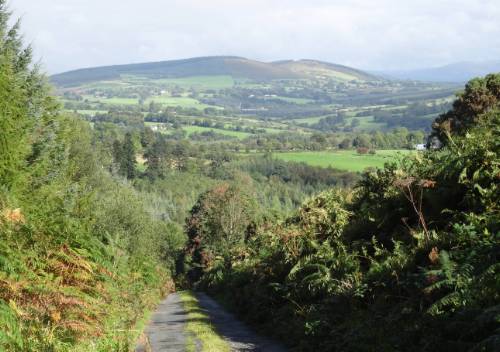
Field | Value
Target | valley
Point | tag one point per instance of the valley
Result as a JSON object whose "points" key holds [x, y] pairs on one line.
{"points": [[223, 203], [285, 106]]}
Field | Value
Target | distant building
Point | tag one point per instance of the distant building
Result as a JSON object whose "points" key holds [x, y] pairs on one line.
{"points": [[420, 147]]}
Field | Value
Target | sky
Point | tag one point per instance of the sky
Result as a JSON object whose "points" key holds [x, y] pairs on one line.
{"points": [[367, 34]]}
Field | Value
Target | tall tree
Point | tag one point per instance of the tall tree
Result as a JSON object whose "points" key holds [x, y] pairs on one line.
{"points": [[219, 221], [24, 101], [128, 160], [156, 155], [147, 137]]}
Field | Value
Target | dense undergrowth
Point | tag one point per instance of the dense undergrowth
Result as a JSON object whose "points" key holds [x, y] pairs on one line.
{"points": [[406, 261], [81, 256]]}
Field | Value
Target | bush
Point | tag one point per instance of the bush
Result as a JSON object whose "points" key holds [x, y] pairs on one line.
{"points": [[408, 260]]}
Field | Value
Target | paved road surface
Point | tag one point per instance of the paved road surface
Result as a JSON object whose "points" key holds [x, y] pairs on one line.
{"points": [[165, 332]]}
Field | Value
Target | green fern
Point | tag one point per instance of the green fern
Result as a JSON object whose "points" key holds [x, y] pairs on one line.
{"points": [[11, 338]]}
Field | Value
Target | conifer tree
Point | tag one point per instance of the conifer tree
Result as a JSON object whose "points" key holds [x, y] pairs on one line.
{"points": [[25, 105], [14, 61], [128, 161], [156, 156]]}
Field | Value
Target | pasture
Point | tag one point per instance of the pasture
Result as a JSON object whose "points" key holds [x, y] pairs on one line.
{"points": [[208, 82], [238, 134], [184, 102], [299, 101], [348, 160]]}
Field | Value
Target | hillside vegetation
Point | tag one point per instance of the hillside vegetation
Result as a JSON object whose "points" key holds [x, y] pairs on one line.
{"points": [[408, 260], [256, 182], [81, 258]]}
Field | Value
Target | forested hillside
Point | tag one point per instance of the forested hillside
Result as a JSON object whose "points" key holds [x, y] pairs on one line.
{"points": [[81, 257], [407, 260]]}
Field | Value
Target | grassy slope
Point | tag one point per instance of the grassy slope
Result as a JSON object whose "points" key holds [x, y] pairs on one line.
{"points": [[208, 82]]}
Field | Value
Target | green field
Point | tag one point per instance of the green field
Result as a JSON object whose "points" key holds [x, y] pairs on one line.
{"points": [[184, 102], [106, 85], [90, 112], [295, 100], [308, 120], [114, 100], [208, 82], [199, 129], [343, 160], [166, 100], [366, 124], [274, 130]]}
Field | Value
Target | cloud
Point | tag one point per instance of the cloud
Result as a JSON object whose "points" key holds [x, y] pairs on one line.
{"points": [[380, 34]]}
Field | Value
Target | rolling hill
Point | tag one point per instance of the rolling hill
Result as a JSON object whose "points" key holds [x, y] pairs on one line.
{"points": [[315, 68], [236, 67]]}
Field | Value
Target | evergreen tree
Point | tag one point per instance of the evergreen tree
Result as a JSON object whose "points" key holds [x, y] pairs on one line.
{"points": [[124, 156], [128, 161], [147, 137], [156, 156], [117, 152], [24, 101]]}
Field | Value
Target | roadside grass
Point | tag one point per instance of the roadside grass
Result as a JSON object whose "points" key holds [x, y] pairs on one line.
{"points": [[348, 160], [199, 327]]}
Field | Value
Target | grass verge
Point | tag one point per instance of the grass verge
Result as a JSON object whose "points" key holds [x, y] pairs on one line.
{"points": [[199, 327]]}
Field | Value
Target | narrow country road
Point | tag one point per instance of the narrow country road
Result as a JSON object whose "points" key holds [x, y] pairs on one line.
{"points": [[166, 330]]}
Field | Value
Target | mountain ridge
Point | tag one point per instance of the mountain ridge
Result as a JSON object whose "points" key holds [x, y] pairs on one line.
{"points": [[235, 66]]}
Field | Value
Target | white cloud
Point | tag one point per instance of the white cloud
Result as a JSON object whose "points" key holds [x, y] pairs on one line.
{"points": [[364, 33]]}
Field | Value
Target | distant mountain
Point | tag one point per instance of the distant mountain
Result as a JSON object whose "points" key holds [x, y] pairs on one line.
{"points": [[457, 72], [236, 67]]}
